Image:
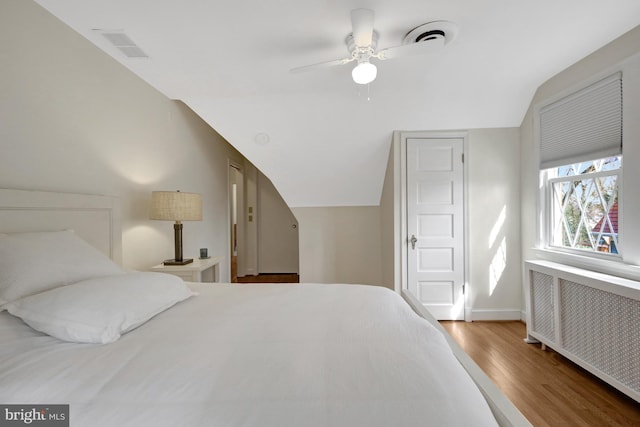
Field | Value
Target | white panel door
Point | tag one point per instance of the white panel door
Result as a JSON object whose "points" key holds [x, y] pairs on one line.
{"points": [[435, 225]]}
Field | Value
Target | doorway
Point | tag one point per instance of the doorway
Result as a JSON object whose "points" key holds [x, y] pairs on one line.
{"points": [[263, 232], [435, 223]]}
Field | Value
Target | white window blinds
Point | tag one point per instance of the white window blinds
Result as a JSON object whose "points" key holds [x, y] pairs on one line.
{"points": [[585, 125]]}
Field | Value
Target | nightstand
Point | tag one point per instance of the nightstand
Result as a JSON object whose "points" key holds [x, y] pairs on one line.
{"points": [[200, 270]]}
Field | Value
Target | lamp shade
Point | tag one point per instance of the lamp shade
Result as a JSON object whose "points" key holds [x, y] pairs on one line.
{"points": [[363, 73], [176, 206]]}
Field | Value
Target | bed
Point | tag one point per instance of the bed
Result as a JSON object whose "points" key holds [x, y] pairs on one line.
{"points": [[166, 353]]}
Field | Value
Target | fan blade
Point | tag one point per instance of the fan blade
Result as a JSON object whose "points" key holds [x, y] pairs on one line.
{"points": [[321, 65], [362, 25], [410, 49]]}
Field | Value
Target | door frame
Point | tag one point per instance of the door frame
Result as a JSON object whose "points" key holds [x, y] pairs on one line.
{"points": [[400, 140], [240, 230]]}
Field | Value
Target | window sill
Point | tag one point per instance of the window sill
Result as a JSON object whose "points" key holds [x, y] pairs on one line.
{"points": [[604, 266]]}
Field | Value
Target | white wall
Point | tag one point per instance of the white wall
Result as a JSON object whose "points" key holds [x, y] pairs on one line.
{"points": [[494, 224], [74, 120], [340, 244]]}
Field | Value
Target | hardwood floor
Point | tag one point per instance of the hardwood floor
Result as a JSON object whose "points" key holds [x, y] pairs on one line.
{"points": [[261, 278], [547, 388], [270, 278]]}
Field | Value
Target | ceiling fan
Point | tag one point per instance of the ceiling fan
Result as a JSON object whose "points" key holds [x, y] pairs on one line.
{"points": [[362, 43]]}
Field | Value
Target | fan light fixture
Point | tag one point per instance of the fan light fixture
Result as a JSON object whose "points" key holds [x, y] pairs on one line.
{"points": [[364, 73], [362, 44]]}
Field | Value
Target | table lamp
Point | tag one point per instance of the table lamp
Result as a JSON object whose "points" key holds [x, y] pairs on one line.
{"points": [[176, 206]]}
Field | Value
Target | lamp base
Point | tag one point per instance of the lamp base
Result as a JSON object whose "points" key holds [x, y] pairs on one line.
{"points": [[178, 262]]}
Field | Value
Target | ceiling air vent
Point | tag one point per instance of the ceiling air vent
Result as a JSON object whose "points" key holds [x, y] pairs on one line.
{"points": [[124, 43], [437, 33]]}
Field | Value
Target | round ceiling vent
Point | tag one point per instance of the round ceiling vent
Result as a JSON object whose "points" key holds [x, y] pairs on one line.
{"points": [[262, 138], [438, 33]]}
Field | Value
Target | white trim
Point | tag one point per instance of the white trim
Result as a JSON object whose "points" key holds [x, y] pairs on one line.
{"points": [[468, 289], [551, 220], [496, 314], [619, 269], [241, 270], [605, 282], [403, 210], [399, 274]]}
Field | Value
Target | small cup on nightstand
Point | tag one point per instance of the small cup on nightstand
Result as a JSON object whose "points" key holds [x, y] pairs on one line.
{"points": [[203, 253]]}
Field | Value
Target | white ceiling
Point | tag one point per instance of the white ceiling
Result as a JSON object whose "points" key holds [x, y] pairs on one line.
{"points": [[229, 60]]}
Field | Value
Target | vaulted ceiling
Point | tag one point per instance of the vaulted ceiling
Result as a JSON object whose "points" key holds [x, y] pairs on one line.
{"points": [[322, 139]]}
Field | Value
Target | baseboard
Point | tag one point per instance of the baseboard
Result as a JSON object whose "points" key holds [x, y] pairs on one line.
{"points": [[499, 314]]}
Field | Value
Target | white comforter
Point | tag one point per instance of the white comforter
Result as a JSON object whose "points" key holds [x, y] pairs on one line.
{"points": [[252, 355]]}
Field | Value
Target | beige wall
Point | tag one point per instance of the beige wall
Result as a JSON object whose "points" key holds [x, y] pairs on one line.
{"points": [[277, 231], [390, 233], [340, 244], [74, 120]]}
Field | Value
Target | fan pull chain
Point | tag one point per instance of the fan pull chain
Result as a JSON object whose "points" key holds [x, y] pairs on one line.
{"points": [[359, 91]]}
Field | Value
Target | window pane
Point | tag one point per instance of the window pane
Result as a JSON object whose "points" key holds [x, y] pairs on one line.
{"points": [[584, 205], [612, 163]]}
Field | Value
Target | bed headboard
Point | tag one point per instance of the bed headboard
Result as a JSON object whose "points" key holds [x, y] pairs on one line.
{"points": [[94, 218]]}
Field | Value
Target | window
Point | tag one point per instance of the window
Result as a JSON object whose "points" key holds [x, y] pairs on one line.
{"points": [[580, 136], [583, 205]]}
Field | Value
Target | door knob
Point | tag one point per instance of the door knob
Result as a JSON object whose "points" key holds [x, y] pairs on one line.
{"points": [[413, 241]]}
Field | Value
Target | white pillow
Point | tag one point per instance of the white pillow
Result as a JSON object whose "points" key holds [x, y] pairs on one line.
{"points": [[100, 310], [35, 262]]}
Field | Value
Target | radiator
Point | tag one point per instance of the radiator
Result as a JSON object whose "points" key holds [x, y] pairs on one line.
{"points": [[592, 319]]}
